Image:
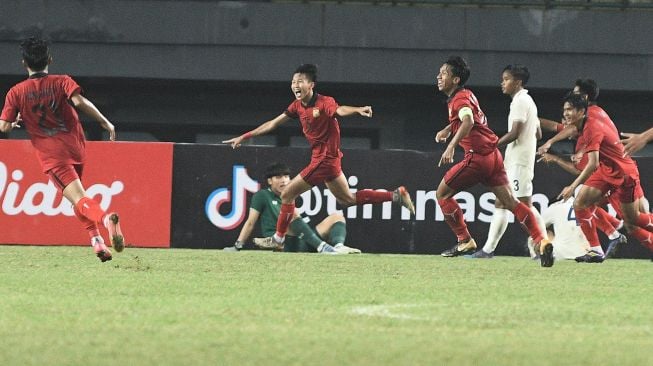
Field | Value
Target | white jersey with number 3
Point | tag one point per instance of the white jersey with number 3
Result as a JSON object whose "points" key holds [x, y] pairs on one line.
{"points": [[522, 150]]}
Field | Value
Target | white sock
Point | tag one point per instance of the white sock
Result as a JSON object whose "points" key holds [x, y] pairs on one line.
{"points": [[278, 239], [540, 222], [597, 249], [615, 234], [498, 226]]}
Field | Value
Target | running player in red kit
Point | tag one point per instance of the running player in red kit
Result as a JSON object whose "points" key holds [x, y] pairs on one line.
{"points": [[607, 169], [46, 105], [318, 114], [482, 163]]}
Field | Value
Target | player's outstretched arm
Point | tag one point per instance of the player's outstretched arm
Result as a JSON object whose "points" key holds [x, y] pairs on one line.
{"points": [[89, 109], [592, 165], [634, 142], [568, 166], [567, 133], [260, 130], [345, 110], [551, 126]]}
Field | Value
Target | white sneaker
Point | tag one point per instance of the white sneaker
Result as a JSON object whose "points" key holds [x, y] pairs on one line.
{"points": [[341, 248], [268, 243], [325, 248]]}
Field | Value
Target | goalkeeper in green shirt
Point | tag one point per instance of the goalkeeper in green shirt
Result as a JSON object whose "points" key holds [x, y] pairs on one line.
{"points": [[328, 237]]}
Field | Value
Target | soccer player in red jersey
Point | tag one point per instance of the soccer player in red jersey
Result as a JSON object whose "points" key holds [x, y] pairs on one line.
{"points": [[607, 169], [605, 222], [589, 90], [482, 163], [318, 114], [46, 105]]}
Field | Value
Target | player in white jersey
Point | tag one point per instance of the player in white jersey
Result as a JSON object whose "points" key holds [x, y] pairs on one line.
{"points": [[569, 242], [519, 159]]}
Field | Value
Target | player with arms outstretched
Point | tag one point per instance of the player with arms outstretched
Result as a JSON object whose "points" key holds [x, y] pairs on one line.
{"points": [[46, 105], [318, 114]]}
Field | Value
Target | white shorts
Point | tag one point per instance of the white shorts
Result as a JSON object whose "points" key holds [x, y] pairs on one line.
{"points": [[520, 178]]}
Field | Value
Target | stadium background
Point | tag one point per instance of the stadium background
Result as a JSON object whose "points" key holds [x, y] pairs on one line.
{"points": [[202, 71]]}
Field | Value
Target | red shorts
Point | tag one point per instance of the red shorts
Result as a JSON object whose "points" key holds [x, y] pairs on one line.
{"points": [[627, 192], [320, 171], [476, 168], [63, 175]]}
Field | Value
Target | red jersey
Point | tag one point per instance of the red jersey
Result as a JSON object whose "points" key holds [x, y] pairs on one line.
{"points": [[580, 148], [597, 112], [50, 120], [319, 125], [599, 136], [480, 139]]}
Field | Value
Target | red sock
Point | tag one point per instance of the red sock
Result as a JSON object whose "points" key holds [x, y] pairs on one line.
{"points": [[525, 216], [605, 222], [89, 226], [645, 221], [586, 218], [90, 209], [285, 216], [643, 237], [371, 196], [453, 215], [602, 213]]}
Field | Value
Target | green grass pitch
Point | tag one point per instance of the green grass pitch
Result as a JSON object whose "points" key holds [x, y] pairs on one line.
{"points": [[61, 306]]}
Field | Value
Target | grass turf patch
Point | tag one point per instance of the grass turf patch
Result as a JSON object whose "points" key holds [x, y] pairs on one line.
{"points": [[60, 305]]}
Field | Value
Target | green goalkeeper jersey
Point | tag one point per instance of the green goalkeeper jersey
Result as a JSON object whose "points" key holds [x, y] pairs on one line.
{"points": [[268, 205]]}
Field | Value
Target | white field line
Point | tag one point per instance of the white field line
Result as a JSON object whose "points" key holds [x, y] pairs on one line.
{"points": [[396, 311]]}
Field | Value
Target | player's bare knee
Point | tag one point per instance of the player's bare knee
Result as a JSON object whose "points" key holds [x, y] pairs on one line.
{"points": [[337, 217]]}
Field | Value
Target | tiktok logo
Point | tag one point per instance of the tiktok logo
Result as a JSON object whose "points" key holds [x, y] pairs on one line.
{"points": [[242, 184]]}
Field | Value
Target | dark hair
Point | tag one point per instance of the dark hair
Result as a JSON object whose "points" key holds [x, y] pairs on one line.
{"points": [[309, 70], [518, 72], [576, 100], [589, 88], [35, 53], [459, 68], [276, 169]]}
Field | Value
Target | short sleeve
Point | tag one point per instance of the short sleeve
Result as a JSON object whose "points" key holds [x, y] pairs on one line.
{"points": [[69, 86], [291, 111], [459, 103], [10, 109], [330, 107], [258, 201], [518, 111]]}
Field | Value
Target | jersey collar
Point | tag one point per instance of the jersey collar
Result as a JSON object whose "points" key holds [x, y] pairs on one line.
{"points": [[311, 103], [454, 93], [37, 75], [522, 91]]}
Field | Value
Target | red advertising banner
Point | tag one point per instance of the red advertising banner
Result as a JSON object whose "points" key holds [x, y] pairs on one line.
{"points": [[131, 178]]}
